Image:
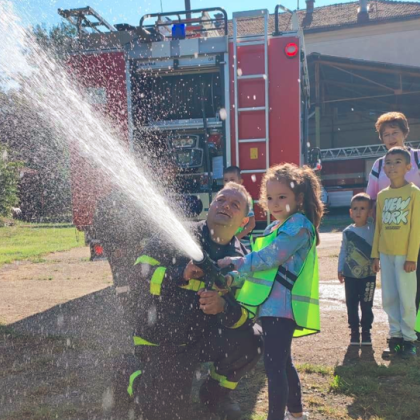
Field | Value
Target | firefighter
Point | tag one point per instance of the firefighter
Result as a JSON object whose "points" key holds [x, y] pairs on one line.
{"points": [[122, 231], [180, 325]]}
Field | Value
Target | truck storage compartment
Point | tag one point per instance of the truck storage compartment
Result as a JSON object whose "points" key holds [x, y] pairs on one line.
{"points": [[172, 96]]}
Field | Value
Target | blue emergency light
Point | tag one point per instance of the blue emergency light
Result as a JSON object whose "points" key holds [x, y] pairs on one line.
{"points": [[178, 31]]}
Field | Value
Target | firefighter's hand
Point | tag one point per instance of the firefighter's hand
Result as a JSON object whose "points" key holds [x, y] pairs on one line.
{"points": [[211, 303], [340, 277], [224, 262], [409, 266], [376, 265], [192, 272]]}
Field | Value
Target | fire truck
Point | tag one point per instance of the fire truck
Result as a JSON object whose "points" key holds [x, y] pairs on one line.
{"points": [[215, 92]]}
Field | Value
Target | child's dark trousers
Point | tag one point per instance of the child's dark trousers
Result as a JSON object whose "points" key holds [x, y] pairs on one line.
{"points": [[360, 292]]}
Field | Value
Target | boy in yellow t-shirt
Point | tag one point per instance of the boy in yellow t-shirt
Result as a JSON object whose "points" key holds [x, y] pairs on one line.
{"points": [[395, 249]]}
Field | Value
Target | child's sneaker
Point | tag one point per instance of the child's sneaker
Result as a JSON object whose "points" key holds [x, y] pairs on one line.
{"points": [[304, 416], [355, 338], [409, 349], [395, 346], [366, 338]]}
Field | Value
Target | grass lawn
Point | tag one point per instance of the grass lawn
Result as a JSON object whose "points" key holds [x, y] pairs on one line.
{"points": [[365, 390], [32, 241]]}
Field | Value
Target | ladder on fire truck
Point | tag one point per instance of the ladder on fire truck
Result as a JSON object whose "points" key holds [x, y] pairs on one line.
{"points": [[86, 18], [242, 74], [243, 42]]}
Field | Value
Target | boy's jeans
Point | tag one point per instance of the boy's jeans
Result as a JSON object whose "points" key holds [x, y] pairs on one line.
{"points": [[398, 290], [360, 292]]}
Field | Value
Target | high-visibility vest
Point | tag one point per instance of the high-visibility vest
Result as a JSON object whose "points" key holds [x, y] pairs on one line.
{"points": [[417, 327], [304, 287]]}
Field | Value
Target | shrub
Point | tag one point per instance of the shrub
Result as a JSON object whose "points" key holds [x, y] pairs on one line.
{"points": [[9, 180]]}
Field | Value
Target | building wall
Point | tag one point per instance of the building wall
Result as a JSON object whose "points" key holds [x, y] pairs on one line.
{"points": [[396, 43], [353, 129]]}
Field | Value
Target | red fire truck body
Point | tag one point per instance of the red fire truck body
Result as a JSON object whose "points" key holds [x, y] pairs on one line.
{"points": [[212, 91], [104, 77]]}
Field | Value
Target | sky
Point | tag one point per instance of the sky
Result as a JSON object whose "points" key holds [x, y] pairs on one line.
{"points": [[130, 11]]}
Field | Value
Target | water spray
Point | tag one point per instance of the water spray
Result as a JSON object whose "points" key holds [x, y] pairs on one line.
{"points": [[37, 78]]}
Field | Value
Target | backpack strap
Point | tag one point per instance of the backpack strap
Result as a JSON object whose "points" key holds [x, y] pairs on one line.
{"points": [[376, 174]]}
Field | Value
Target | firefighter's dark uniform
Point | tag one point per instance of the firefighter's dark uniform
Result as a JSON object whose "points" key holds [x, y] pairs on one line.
{"points": [[172, 335], [122, 231]]}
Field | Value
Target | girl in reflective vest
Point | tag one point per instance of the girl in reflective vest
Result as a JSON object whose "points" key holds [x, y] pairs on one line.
{"points": [[279, 279]]}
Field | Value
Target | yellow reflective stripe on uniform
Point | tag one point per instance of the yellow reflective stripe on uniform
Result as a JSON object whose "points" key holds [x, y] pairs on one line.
{"points": [[156, 281], [138, 341], [223, 382], [133, 376], [194, 285], [242, 319], [145, 259]]}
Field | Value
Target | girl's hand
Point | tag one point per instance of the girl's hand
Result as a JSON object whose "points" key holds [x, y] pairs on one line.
{"points": [[409, 266], [376, 266], [340, 277], [229, 280], [224, 262]]}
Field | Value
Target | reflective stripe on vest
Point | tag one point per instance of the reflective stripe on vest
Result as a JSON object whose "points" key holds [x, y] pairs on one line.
{"points": [[223, 381], [304, 288], [133, 376]]}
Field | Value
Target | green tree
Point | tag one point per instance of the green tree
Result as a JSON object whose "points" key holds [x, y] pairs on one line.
{"points": [[56, 39], [9, 181], [34, 141]]}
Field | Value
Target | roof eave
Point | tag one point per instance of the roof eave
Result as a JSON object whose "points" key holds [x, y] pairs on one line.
{"points": [[359, 25]]}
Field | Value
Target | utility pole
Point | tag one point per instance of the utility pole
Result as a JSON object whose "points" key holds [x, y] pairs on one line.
{"points": [[187, 8]]}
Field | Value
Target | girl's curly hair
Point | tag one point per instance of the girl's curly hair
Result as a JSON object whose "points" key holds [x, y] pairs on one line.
{"points": [[301, 180]]}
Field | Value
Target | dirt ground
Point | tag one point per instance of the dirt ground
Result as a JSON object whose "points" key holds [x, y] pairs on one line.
{"points": [[62, 331]]}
